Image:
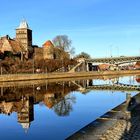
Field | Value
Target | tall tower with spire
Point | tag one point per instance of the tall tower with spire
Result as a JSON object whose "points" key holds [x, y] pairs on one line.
{"points": [[24, 35]]}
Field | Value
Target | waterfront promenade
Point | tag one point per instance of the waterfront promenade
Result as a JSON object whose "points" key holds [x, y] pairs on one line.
{"points": [[127, 128], [63, 75], [120, 123]]}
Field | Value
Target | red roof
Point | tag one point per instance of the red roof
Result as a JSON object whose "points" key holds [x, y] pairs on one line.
{"points": [[138, 79], [48, 104], [48, 44], [137, 65], [104, 66]]}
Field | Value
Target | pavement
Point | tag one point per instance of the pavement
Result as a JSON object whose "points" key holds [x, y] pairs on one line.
{"points": [[120, 123]]}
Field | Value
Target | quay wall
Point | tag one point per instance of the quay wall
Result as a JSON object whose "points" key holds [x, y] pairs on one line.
{"points": [[110, 126], [25, 77]]}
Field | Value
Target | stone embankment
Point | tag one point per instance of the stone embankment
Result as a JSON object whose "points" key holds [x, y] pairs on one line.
{"points": [[25, 77], [117, 130], [120, 123], [125, 129]]}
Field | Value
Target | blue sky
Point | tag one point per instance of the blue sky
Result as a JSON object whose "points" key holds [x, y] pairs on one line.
{"points": [[99, 27]]}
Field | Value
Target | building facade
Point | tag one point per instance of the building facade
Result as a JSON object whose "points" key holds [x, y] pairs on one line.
{"points": [[10, 46], [49, 51], [24, 35], [22, 44]]}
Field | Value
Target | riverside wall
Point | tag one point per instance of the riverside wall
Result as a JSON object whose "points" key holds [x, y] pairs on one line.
{"points": [[116, 124], [26, 77]]}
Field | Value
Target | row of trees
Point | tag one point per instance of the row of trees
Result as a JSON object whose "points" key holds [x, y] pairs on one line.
{"points": [[12, 65]]}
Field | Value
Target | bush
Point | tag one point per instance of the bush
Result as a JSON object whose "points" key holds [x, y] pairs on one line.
{"points": [[15, 65]]}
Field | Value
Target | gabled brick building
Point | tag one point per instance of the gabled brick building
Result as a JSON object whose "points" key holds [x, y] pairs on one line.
{"points": [[24, 36], [22, 44], [49, 51]]}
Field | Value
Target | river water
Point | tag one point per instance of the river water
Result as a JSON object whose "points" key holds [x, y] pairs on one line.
{"points": [[56, 110]]}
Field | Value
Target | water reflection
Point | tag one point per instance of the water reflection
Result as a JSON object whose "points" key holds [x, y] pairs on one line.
{"points": [[55, 96], [64, 107], [22, 100]]}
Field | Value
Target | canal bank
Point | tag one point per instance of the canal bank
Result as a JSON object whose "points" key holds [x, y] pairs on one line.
{"points": [[45, 100], [122, 122], [63, 75]]}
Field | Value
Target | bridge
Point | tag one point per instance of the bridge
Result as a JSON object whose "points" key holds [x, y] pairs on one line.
{"points": [[114, 60], [115, 87], [112, 87], [85, 64]]}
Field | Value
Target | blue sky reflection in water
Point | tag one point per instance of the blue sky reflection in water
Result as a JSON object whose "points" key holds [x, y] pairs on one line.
{"points": [[47, 124]]}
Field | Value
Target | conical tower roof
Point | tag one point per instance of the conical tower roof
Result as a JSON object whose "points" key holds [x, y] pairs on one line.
{"points": [[25, 126]]}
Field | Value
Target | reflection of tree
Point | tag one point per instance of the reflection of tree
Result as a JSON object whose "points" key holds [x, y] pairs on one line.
{"points": [[64, 107]]}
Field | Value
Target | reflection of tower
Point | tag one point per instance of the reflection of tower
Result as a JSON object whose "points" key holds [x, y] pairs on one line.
{"points": [[26, 114], [89, 82]]}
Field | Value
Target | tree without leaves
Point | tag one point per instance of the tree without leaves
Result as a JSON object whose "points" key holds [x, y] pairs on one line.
{"points": [[15, 65], [64, 107], [63, 42]]}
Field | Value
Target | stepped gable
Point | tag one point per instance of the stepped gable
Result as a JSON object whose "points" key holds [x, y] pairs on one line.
{"points": [[8, 44], [4, 44], [48, 50], [16, 46]]}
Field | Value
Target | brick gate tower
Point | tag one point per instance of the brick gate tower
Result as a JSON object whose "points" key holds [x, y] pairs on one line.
{"points": [[24, 36]]}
